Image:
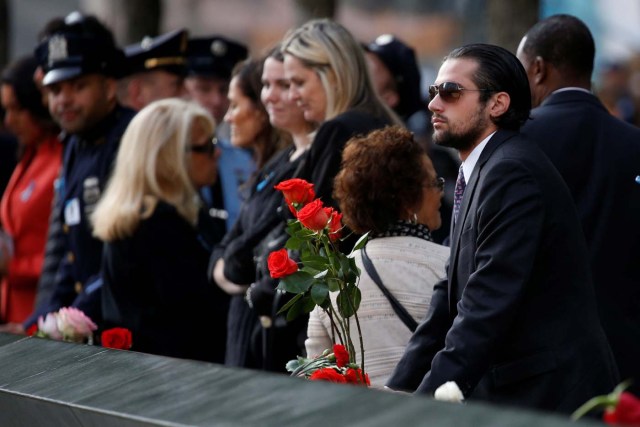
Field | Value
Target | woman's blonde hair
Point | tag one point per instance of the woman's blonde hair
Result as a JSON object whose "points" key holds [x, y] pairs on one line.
{"points": [[151, 165], [338, 59]]}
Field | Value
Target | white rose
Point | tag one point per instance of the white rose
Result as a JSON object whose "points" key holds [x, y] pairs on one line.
{"points": [[449, 392]]}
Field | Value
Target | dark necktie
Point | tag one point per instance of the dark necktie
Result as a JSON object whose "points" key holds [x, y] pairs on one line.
{"points": [[457, 195]]}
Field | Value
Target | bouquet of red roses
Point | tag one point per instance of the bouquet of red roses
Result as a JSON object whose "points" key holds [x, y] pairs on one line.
{"points": [[315, 232], [332, 366]]}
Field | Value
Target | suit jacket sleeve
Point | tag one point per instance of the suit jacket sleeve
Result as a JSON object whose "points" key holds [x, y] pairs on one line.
{"points": [[502, 239]]}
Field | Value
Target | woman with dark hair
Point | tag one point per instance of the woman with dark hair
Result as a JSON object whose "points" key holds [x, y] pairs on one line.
{"points": [[234, 261], [387, 185], [247, 117], [26, 203]]}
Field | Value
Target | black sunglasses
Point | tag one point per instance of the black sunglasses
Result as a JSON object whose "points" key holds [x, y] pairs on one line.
{"points": [[437, 183], [450, 91], [208, 148]]}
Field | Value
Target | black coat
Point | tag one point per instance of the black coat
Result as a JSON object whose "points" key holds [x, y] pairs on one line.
{"points": [[516, 321], [322, 162], [599, 158], [156, 285], [259, 215]]}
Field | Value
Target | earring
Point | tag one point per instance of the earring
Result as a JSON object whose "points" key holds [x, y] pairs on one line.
{"points": [[414, 220]]}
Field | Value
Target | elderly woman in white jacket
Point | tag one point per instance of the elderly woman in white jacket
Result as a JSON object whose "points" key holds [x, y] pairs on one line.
{"points": [[388, 186]]}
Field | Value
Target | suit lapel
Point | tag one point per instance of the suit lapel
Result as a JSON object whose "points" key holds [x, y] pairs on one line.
{"points": [[496, 140]]}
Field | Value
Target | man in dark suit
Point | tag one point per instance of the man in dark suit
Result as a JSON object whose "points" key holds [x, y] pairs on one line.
{"points": [[599, 158], [515, 322]]}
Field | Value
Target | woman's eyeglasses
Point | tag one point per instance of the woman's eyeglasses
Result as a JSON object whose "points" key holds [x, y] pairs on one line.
{"points": [[450, 92], [436, 183], [208, 148]]}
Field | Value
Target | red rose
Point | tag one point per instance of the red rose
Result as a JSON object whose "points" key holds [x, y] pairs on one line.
{"points": [[354, 376], [335, 225], [342, 356], [280, 265], [313, 216], [626, 411], [296, 191], [118, 338], [31, 330], [328, 374]]}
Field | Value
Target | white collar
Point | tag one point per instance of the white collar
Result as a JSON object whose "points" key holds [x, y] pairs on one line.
{"points": [[470, 164], [565, 89]]}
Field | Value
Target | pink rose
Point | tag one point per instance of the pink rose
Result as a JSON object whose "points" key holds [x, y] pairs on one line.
{"points": [[313, 216], [74, 325]]}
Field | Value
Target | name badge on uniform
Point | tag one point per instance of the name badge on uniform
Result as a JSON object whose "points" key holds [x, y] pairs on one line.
{"points": [[72, 212]]}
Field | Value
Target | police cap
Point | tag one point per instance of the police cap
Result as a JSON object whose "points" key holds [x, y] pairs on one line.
{"points": [[166, 52], [79, 45], [400, 60], [214, 56]]}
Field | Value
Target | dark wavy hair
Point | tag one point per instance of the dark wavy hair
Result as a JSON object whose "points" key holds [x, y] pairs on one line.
{"points": [[381, 178], [19, 75], [270, 140], [500, 71]]}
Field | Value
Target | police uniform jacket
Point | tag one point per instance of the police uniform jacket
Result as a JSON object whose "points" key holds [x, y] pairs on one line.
{"points": [[87, 165]]}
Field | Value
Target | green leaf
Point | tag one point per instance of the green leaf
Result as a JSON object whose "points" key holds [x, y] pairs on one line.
{"points": [[316, 262], [344, 267], [308, 304], [298, 282], [333, 284], [294, 243], [357, 297], [289, 303], [295, 310], [292, 365], [360, 243], [349, 300], [319, 293], [353, 272]]}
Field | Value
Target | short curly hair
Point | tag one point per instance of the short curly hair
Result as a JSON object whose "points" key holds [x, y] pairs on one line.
{"points": [[381, 179]]}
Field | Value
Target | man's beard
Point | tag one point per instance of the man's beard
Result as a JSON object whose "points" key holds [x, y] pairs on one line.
{"points": [[465, 140]]}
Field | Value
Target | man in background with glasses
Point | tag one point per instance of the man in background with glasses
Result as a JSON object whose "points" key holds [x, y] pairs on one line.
{"points": [[599, 158], [515, 320]]}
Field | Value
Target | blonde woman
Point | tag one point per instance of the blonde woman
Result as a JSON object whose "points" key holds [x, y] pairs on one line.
{"points": [[154, 264], [329, 80]]}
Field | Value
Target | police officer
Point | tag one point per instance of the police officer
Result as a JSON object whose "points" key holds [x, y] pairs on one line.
{"points": [[81, 63], [157, 68], [210, 62]]}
